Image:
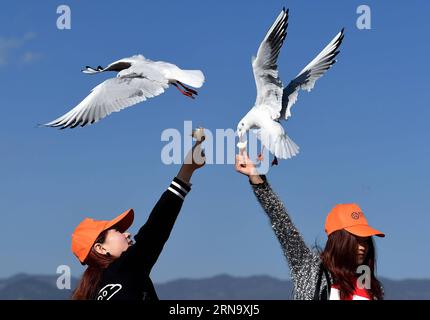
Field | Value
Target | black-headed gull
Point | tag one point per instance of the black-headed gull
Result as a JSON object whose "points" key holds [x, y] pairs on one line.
{"points": [[138, 78], [274, 102]]}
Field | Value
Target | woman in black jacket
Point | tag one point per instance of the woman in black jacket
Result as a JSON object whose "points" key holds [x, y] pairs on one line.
{"points": [[117, 268]]}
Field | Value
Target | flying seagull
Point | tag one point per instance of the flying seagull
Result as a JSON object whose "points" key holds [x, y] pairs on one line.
{"points": [[274, 102], [137, 79]]}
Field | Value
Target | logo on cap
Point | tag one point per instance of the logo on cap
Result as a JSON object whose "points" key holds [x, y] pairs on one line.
{"points": [[356, 215]]}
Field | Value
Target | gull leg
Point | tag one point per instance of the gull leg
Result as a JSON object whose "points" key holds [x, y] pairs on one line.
{"points": [[260, 155], [188, 89], [185, 93]]}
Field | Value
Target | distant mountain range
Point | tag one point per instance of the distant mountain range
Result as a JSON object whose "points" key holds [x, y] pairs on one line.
{"points": [[221, 287]]}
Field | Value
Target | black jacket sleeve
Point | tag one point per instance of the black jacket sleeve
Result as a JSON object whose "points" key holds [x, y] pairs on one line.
{"points": [[152, 236]]}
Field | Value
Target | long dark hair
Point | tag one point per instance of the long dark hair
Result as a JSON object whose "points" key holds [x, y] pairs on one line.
{"points": [[340, 258], [89, 284]]}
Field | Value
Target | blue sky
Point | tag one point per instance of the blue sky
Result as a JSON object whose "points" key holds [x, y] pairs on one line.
{"points": [[363, 131]]}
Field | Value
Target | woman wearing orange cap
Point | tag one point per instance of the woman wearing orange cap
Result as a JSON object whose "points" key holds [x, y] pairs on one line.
{"points": [[332, 273], [117, 268]]}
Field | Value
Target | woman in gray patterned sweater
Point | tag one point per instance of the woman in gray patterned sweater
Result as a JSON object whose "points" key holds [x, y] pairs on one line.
{"points": [[332, 273]]}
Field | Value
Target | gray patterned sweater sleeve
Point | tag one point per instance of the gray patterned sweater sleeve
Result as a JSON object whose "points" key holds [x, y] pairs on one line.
{"points": [[303, 262]]}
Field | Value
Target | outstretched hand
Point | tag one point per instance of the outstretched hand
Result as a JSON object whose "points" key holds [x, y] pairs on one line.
{"points": [[244, 165], [194, 160]]}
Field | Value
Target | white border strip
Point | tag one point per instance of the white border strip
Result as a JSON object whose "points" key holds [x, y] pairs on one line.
{"points": [[179, 186], [176, 192]]}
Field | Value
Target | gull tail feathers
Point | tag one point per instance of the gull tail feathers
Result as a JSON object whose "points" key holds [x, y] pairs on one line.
{"points": [[284, 148], [281, 146]]}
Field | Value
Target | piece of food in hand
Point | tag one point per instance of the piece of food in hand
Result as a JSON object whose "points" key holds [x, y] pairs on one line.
{"points": [[199, 134], [242, 145]]}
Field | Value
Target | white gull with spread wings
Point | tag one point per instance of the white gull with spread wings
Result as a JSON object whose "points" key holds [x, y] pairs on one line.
{"points": [[138, 79], [274, 102]]}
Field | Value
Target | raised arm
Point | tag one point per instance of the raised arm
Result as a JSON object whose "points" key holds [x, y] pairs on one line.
{"points": [[155, 232], [298, 255]]}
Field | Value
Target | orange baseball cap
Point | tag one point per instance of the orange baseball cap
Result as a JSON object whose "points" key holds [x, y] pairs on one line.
{"points": [[87, 232], [350, 218]]}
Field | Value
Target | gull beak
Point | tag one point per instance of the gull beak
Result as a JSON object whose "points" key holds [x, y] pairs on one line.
{"points": [[240, 135], [242, 142]]}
